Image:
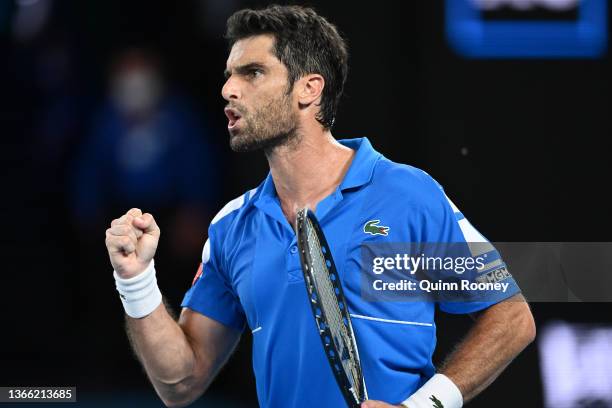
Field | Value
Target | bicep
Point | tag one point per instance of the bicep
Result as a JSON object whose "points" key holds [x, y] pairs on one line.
{"points": [[513, 305], [212, 343]]}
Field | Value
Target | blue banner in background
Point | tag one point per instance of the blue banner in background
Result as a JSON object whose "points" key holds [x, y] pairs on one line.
{"points": [[472, 36]]}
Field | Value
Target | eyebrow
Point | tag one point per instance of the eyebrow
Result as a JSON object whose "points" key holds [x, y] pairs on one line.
{"points": [[244, 69]]}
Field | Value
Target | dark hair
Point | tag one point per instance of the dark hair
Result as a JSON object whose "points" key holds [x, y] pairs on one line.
{"points": [[305, 42]]}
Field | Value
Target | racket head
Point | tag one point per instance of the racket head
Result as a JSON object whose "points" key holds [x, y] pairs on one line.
{"points": [[325, 294]]}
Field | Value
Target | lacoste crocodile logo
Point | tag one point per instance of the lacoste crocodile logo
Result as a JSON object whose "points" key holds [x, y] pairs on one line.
{"points": [[436, 402], [371, 227]]}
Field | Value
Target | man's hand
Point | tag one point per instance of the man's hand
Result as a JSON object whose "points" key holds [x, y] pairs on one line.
{"points": [[131, 242], [379, 404]]}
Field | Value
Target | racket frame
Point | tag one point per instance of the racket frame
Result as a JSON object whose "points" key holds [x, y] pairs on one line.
{"points": [[330, 349]]}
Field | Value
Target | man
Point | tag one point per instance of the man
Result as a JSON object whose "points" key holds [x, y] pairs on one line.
{"points": [[285, 74]]}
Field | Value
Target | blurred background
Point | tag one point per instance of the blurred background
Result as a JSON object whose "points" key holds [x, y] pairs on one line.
{"points": [[111, 104]]}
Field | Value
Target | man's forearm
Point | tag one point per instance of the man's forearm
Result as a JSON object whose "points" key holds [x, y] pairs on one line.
{"points": [[163, 349], [499, 334]]}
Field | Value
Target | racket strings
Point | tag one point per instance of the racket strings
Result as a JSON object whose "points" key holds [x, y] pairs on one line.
{"points": [[331, 307]]}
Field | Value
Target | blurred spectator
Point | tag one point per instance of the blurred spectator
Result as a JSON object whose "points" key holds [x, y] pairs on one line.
{"points": [[147, 149]]}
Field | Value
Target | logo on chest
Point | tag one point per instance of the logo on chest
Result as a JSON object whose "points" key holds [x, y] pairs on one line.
{"points": [[371, 227]]}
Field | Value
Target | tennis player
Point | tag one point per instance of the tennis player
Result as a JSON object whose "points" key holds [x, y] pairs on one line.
{"points": [[285, 74]]}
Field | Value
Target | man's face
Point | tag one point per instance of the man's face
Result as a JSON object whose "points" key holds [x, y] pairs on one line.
{"points": [[261, 112]]}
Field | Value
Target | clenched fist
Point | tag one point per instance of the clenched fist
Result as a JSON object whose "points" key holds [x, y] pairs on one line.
{"points": [[131, 242]]}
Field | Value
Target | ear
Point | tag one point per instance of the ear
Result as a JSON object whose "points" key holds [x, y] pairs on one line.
{"points": [[309, 89]]}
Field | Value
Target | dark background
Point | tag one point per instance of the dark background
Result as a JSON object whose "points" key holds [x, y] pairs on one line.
{"points": [[521, 146]]}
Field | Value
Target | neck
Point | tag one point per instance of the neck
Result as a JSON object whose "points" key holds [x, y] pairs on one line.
{"points": [[306, 172]]}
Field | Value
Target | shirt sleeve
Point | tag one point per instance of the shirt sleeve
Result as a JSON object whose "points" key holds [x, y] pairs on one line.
{"points": [[446, 224], [211, 293]]}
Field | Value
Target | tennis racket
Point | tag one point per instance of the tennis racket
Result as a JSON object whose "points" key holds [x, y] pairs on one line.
{"points": [[329, 308]]}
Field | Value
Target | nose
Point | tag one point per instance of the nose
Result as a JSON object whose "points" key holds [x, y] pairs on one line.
{"points": [[230, 89]]}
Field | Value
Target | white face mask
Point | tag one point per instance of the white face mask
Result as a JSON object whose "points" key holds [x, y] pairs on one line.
{"points": [[136, 91]]}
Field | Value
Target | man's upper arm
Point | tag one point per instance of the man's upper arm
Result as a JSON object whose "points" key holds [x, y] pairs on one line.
{"points": [[518, 298], [212, 343], [457, 229], [515, 313]]}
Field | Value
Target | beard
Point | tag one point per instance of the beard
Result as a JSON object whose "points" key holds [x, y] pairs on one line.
{"points": [[269, 126]]}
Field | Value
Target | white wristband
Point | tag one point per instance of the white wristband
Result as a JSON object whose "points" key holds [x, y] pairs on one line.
{"points": [[139, 294], [439, 391]]}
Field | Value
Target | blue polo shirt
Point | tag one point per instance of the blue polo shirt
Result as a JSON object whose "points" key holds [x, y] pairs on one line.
{"points": [[252, 278]]}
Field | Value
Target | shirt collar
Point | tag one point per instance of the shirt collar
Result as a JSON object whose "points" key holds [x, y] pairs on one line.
{"points": [[359, 173], [362, 166]]}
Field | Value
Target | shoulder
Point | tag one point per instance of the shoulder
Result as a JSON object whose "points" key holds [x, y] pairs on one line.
{"points": [[408, 185], [227, 225], [228, 221], [233, 210]]}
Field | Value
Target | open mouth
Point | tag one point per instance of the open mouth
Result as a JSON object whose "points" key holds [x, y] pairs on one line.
{"points": [[233, 117]]}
